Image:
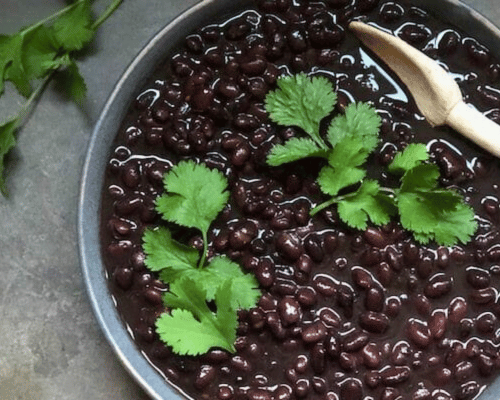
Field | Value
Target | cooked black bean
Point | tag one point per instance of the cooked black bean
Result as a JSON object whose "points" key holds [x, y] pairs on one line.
{"points": [[314, 332], [392, 376], [374, 322], [418, 333], [355, 341], [351, 389]]}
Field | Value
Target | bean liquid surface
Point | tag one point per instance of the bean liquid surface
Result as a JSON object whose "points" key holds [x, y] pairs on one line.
{"points": [[344, 314]]}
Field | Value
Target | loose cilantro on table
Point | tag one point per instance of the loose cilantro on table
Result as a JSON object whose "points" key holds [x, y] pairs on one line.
{"points": [[40, 52], [194, 196], [431, 213]]}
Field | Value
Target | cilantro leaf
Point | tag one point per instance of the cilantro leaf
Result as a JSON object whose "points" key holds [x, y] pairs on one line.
{"points": [[39, 52], [11, 52], [432, 213], [244, 287], [186, 184], [360, 120], [7, 142], [302, 101], [413, 155], [350, 152], [72, 81], [423, 176], [192, 328], [293, 150], [423, 213], [344, 160], [333, 180], [366, 203], [163, 252], [73, 29]]}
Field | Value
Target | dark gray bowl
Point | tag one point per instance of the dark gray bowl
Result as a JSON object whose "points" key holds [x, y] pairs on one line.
{"points": [[453, 11]]}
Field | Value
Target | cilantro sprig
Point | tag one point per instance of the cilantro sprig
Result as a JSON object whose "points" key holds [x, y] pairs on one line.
{"points": [[41, 52], [431, 213], [194, 196]]}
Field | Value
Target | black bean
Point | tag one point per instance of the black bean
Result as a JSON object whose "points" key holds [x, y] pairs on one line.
{"points": [[297, 39], [384, 273], [355, 341], [205, 376], [392, 376], [362, 278], [418, 333], [314, 248], [457, 309], [486, 365], [415, 33], [351, 389], [421, 394], [483, 296], [265, 273], [306, 296], [238, 29], [153, 296], [376, 237], [489, 96], [254, 67], [448, 43], [242, 235], [486, 323], [319, 385], [318, 358], [314, 332], [437, 324], [375, 299], [283, 392], [438, 286], [478, 278], [332, 346], [372, 357], [302, 387], [478, 54], [374, 322], [401, 353], [124, 277], [325, 285], [463, 371], [274, 322], [289, 310], [345, 299], [390, 12], [241, 364], [468, 391], [348, 362], [289, 246]]}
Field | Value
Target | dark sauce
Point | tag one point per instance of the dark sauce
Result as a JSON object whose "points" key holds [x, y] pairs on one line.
{"points": [[344, 314]]}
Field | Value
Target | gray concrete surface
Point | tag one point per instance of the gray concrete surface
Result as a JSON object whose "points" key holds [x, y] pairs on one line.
{"points": [[50, 344]]}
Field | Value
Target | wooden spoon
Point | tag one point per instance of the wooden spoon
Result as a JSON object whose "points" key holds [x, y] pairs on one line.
{"points": [[436, 93]]}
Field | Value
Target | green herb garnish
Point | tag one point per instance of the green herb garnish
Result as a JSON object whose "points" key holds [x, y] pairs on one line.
{"points": [[40, 52], [194, 196], [429, 212]]}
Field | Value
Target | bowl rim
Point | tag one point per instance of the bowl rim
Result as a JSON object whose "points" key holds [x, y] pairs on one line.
{"points": [[133, 78]]}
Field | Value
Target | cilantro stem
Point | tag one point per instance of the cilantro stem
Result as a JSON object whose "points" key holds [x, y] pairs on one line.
{"points": [[106, 14], [50, 17], [28, 105], [203, 258], [324, 205]]}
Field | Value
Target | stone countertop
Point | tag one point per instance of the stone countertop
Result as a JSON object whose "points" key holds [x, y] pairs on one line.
{"points": [[51, 346]]}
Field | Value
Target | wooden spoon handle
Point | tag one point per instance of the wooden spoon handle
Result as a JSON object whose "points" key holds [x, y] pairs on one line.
{"points": [[476, 126]]}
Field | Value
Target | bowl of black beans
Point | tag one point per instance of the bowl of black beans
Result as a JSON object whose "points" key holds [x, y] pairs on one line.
{"points": [[266, 215]]}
